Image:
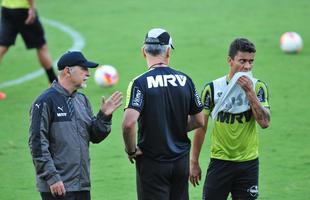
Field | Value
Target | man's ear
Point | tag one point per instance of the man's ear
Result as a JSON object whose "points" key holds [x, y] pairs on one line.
{"points": [[230, 61], [68, 71], [168, 52], [143, 52]]}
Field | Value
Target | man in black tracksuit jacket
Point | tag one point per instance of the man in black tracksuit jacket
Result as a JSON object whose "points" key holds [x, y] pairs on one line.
{"points": [[62, 125]]}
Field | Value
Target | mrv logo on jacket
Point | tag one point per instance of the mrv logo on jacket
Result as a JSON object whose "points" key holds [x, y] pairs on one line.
{"points": [[164, 80]]}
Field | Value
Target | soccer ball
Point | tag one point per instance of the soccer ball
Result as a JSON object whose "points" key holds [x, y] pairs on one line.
{"points": [[291, 42], [106, 76]]}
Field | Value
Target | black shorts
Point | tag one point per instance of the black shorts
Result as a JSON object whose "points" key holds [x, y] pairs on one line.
{"points": [[240, 179], [162, 180], [13, 22]]}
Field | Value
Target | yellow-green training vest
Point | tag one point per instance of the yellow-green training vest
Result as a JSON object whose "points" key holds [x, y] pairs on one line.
{"points": [[234, 136], [12, 4]]}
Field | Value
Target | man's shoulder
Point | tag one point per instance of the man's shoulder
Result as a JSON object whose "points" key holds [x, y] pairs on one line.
{"points": [[47, 97], [142, 75], [47, 94], [210, 85], [260, 82], [82, 96], [178, 72], [138, 79], [261, 85], [222, 79]]}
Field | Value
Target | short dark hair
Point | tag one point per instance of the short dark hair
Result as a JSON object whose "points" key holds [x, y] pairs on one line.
{"points": [[241, 44]]}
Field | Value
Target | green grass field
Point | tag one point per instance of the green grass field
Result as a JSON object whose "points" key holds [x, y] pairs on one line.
{"points": [[201, 30]]}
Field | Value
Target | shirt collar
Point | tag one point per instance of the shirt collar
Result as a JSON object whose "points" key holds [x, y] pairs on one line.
{"points": [[62, 90]]}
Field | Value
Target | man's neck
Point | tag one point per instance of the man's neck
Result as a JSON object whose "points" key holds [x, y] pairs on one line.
{"points": [[153, 63], [70, 88], [230, 75]]}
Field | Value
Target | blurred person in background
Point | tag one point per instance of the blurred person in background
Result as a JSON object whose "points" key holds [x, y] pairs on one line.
{"points": [[21, 17]]}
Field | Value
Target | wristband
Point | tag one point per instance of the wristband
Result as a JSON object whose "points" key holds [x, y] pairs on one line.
{"points": [[131, 153]]}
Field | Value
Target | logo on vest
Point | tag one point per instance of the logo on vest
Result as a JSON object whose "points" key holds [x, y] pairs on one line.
{"points": [[198, 101], [60, 108], [61, 114], [165, 80], [230, 118], [137, 97]]}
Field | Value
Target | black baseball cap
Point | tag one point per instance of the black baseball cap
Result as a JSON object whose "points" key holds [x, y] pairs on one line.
{"points": [[74, 58], [158, 36]]}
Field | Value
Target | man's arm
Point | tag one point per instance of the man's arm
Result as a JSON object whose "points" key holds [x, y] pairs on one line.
{"points": [[31, 13], [195, 121], [199, 136], [261, 114], [101, 125], [129, 132], [39, 147]]}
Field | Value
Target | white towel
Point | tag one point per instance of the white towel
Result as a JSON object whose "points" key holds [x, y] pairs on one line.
{"points": [[234, 99]]}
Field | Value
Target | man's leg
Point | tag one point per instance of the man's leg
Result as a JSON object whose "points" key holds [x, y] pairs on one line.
{"points": [[153, 179], [83, 195], [3, 50], [245, 185], [179, 180], [218, 181], [46, 62]]}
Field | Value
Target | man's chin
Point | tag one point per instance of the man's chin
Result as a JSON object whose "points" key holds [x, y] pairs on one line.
{"points": [[83, 85]]}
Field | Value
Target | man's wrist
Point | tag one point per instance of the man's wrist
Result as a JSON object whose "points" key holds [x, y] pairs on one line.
{"points": [[103, 116], [194, 161], [53, 179], [31, 7], [131, 153]]}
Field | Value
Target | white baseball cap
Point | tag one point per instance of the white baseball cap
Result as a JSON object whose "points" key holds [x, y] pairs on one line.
{"points": [[158, 36]]}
